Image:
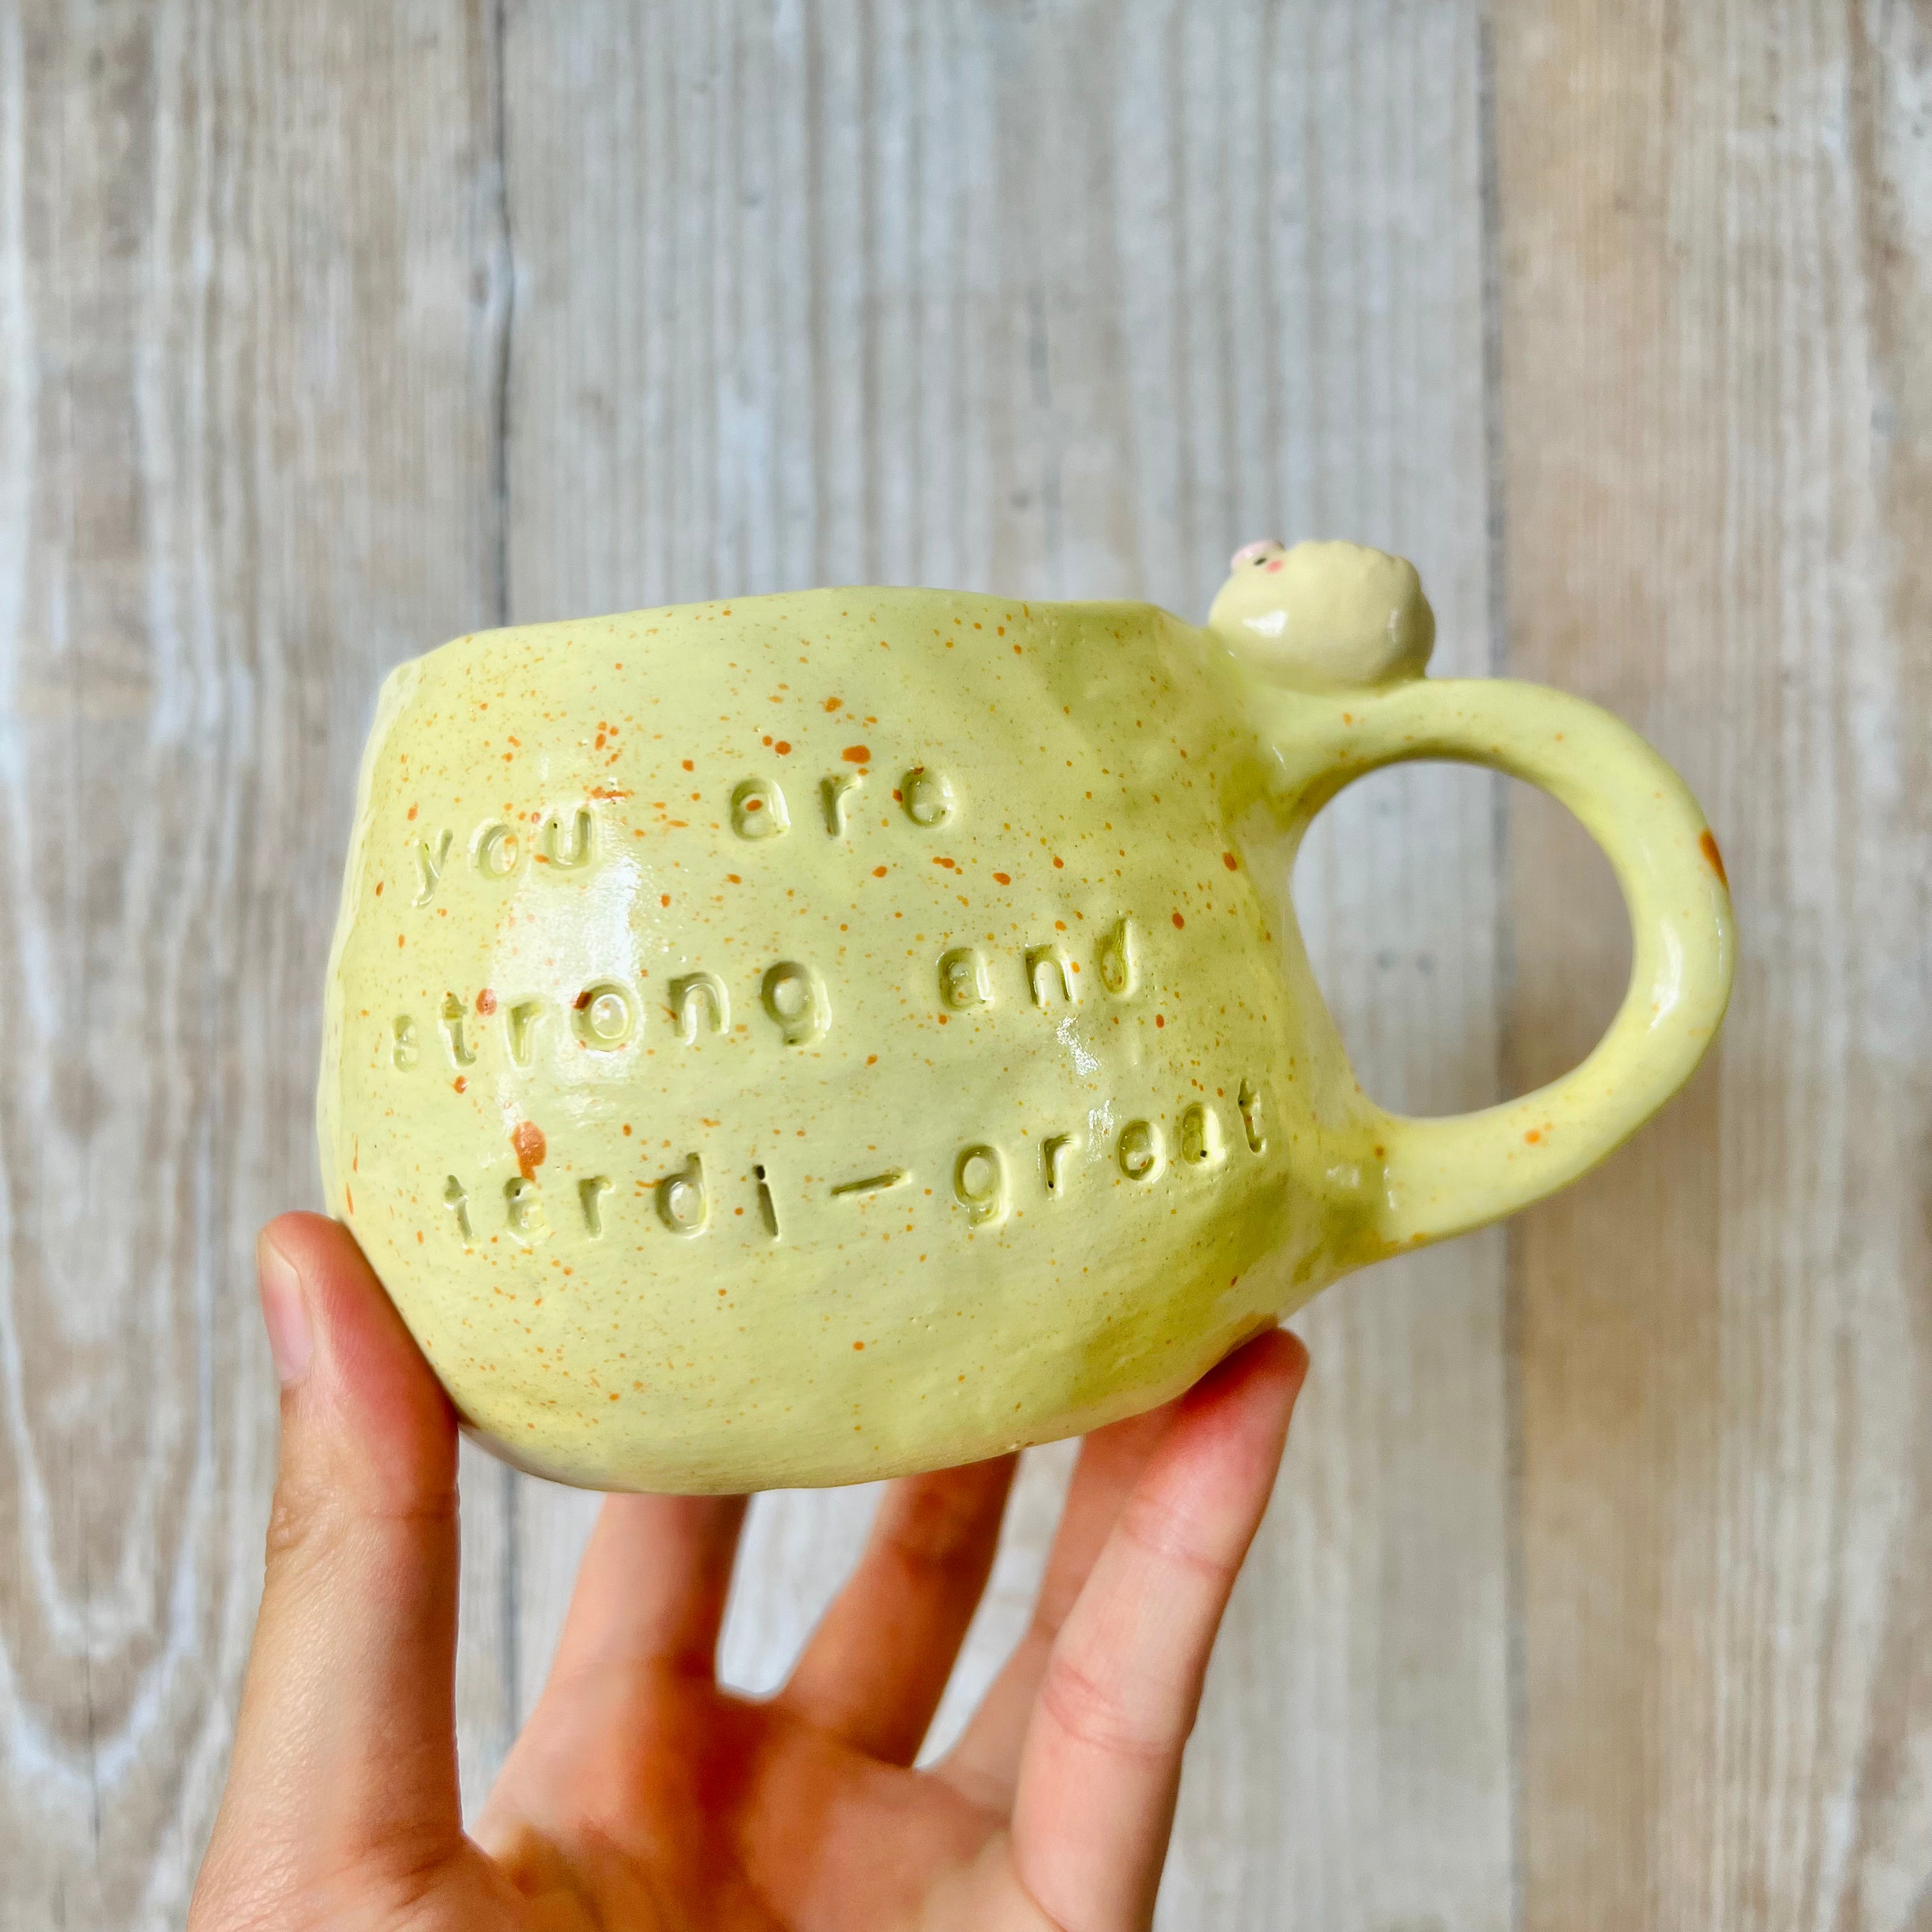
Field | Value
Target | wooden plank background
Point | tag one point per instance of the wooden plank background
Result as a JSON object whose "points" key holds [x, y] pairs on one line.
{"points": [[1595, 1592]]}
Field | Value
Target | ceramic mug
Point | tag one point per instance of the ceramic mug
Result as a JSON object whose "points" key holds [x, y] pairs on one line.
{"points": [[809, 1038]]}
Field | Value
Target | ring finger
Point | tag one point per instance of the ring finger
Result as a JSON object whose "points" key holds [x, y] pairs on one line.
{"points": [[875, 1669]]}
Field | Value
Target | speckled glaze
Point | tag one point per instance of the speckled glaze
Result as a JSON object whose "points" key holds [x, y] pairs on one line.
{"points": [[811, 1038]]}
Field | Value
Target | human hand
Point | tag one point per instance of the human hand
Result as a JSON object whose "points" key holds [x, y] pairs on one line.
{"points": [[642, 1795]]}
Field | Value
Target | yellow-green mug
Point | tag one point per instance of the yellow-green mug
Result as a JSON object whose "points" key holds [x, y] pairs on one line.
{"points": [[810, 1038]]}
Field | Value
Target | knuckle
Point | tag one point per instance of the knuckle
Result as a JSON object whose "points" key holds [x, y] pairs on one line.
{"points": [[303, 1523], [406, 1868], [272, 1894], [1092, 1714], [291, 1525], [1175, 1541]]}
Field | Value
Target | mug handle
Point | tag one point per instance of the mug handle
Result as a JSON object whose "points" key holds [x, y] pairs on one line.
{"points": [[1446, 1175]]}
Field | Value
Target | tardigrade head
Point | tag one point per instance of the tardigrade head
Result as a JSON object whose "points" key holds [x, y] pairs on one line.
{"points": [[1325, 616]]}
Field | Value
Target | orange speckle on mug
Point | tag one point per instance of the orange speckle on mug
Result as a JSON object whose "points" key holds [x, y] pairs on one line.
{"points": [[527, 1142]]}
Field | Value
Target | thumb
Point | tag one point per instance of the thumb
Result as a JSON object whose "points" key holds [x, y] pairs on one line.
{"points": [[345, 1749]]}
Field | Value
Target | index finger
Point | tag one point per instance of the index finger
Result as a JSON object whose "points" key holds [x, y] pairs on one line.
{"points": [[1102, 1762]]}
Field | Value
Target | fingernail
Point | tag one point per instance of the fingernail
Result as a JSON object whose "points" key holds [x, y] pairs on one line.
{"points": [[284, 1313]]}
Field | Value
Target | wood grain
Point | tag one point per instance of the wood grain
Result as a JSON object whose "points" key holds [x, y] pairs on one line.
{"points": [[245, 368], [1714, 225]]}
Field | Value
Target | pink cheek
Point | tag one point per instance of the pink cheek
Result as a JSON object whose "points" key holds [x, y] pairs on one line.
{"points": [[1275, 566]]}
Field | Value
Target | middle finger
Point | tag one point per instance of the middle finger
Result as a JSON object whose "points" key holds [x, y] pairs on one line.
{"points": [[876, 1668], [652, 1586]]}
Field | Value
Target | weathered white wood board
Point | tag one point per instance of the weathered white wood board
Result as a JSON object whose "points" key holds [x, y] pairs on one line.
{"points": [[1593, 1593], [1714, 241], [247, 330]]}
